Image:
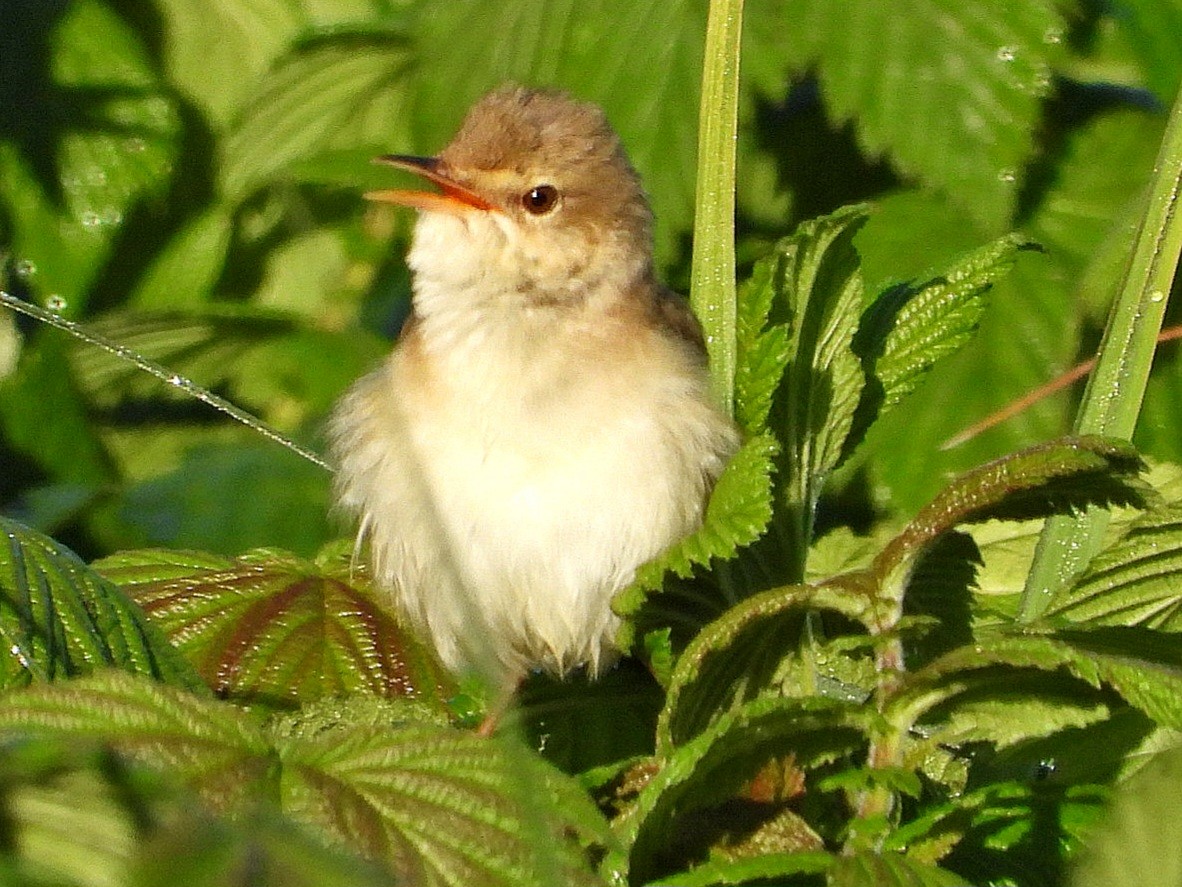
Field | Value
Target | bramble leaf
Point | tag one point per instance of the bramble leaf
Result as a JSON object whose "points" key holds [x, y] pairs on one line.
{"points": [[272, 629], [59, 618]]}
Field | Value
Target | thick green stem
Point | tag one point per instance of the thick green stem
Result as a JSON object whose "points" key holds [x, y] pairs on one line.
{"points": [[712, 288], [1116, 387]]}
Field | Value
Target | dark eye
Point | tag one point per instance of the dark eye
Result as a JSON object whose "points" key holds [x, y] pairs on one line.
{"points": [[540, 200]]}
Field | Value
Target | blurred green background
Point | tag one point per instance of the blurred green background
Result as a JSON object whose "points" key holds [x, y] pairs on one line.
{"points": [[185, 178]]}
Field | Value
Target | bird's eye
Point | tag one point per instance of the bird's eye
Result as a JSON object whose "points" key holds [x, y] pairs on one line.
{"points": [[540, 200]]}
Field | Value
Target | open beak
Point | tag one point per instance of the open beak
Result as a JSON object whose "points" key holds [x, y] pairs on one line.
{"points": [[452, 196]]}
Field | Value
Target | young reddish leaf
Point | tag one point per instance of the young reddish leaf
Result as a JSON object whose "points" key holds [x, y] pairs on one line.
{"points": [[272, 629]]}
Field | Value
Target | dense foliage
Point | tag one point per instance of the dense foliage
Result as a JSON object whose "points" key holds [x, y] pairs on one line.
{"points": [[843, 678]]}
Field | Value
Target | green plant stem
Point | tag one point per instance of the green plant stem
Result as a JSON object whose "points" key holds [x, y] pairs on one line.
{"points": [[1116, 387], [712, 287]]}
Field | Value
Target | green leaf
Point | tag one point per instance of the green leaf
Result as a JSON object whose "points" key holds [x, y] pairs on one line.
{"points": [[1055, 477], [96, 135], [216, 50], [80, 815], [224, 497], [183, 274], [756, 869], [1135, 581], [1137, 845], [59, 618], [822, 291], [343, 90], [436, 805], [207, 744], [732, 659], [1143, 666], [763, 343], [868, 869], [594, 49], [272, 629], [433, 805], [912, 326], [1151, 26], [712, 766], [951, 92]]}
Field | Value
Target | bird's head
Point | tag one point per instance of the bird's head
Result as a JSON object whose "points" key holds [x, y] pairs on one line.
{"points": [[535, 200]]}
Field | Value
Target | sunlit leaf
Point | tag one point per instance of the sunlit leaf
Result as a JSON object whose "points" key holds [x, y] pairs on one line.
{"points": [[436, 805], [868, 869], [346, 89], [93, 137], [272, 629], [207, 744], [1134, 582], [59, 618], [720, 873], [951, 92]]}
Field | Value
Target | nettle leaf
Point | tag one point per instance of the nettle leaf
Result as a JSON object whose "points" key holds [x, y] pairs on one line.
{"points": [[207, 744], [344, 90], [739, 511], [438, 806], [1055, 477], [912, 326], [272, 629], [763, 344], [711, 767], [59, 618], [1137, 581], [732, 659], [952, 92], [822, 286]]}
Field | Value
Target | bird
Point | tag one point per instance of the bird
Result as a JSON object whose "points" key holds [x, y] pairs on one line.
{"points": [[544, 423]]}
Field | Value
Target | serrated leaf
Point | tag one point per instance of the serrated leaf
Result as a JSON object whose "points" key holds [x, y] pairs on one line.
{"points": [[1143, 666], [712, 766], [1055, 477], [594, 49], [757, 869], [207, 744], [739, 511], [952, 92], [911, 327], [731, 660], [763, 345], [432, 804], [59, 618], [272, 629], [440, 806], [342, 90], [869, 869], [822, 289], [1134, 582]]}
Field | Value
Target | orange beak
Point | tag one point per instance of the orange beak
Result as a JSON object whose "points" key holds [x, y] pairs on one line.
{"points": [[452, 196]]}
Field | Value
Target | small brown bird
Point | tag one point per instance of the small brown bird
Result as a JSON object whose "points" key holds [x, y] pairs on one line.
{"points": [[544, 424]]}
